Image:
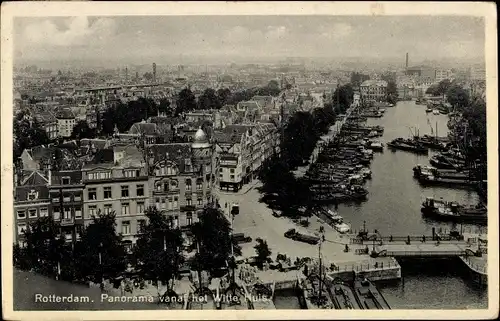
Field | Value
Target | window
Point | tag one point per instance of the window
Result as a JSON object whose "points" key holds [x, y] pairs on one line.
{"points": [[221, 170], [92, 193], [140, 207], [44, 212], [166, 187], [163, 203], [126, 227], [231, 170], [21, 214], [32, 213], [56, 213], [199, 183], [173, 184], [157, 202], [67, 213], [124, 191], [77, 198], [221, 176], [140, 190], [200, 201], [141, 224], [130, 173], [108, 208], [169, 203], [78, 212], [176, 199], [232, 177], [65, 180], [92, 210], [125, 209], [189, 218], [55, 200], [176, 221], [188, 184], [107, 192], [21, 227], [189, 202], [67, 198]]}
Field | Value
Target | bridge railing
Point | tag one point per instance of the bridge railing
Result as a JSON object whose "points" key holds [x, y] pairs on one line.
{"points": [[479, 268], [389, 239], [365, 266], [425, 253]]}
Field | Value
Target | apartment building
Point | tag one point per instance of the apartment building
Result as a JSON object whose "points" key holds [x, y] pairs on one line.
{"points": [[442, 74], [117, 181], [31, 201], [66, 121], [373, 90], [241, 150], [183, 176], [66, 201]]}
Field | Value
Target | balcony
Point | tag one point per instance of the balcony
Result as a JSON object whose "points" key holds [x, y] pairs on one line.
{"points": [[187, 208], [67, 221]]}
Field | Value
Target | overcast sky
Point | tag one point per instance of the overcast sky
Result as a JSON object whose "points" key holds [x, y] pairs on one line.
{"points": [[136, 38]]}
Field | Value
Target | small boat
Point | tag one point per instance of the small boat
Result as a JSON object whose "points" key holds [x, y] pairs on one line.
{"points": [[454, 212], [433, 180], [369, 296], [315, 293], [343, 297], [375, 145], [428, 110], [342, 228], [408, 145]]}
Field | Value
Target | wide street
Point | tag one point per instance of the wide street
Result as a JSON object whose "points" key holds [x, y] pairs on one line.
{"points": [[256, 220]]}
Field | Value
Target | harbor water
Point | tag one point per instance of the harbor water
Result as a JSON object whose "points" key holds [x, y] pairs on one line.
{"points": [[393, 207]]}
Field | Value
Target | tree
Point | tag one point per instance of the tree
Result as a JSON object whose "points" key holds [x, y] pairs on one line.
{"points": [[432, 90], [164, 106], [223, 95], [212, 235], [443, 86], [392, 92], [263, 252], [102, 253], [148, 76], [82, 130], [44, 246], [358, 78], [158, 250], [209, 100], [457, 96], [186, 102], [343, 97]]}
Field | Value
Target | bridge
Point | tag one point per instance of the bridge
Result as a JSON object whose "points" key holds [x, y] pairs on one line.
{"points": [[414, 246]]}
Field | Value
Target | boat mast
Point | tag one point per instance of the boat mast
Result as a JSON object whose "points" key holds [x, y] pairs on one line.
{"points": [[320, 270]]}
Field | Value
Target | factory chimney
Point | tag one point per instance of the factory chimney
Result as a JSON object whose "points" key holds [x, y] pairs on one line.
{"points": [[406, 61], [154, 72]]}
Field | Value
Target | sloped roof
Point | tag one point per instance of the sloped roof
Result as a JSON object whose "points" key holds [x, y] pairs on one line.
{"points": [[35, 178], [143, 128], [177, 153]]}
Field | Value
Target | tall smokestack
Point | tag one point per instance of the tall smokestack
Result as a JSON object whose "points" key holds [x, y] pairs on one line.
{"points": [[154, 72], [126, 75], [406, 60]]}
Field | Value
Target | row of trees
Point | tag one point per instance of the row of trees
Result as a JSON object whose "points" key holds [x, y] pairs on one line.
{"points": [[281, 189], [99, 254]]}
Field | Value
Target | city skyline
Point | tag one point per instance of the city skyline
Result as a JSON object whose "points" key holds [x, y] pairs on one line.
{"points": [[138, 39]]}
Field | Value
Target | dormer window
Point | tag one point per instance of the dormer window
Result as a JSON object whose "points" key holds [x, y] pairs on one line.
{"points": [[65, 181], [32, 195]]}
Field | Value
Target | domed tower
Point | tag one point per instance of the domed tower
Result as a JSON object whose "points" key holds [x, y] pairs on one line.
{"points": [[203, 164]]}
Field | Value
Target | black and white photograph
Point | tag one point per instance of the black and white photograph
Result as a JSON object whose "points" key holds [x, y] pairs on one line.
{"points": [[249, 156]]}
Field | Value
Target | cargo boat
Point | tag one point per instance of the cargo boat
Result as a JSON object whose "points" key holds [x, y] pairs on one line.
{"points": [[369, 297], [452, 211], [344, 298], [375, 146], [433, 180], [419, 171], [408, 145], [314, 297]]}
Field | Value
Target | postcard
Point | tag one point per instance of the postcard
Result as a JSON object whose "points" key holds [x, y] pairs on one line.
{"points": [[249, 160]]}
